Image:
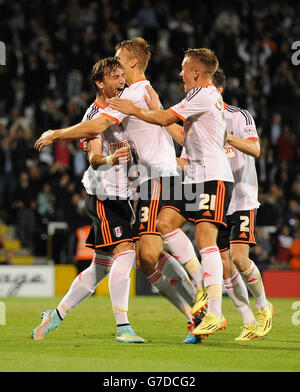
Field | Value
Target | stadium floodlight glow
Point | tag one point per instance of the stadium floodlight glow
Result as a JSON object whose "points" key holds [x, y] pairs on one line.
{"points": [[2, 53]]}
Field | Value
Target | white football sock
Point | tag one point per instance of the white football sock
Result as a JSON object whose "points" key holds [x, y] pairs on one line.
{"points": [[169, 292], [177, 276], [237, 291], [85, 283], [213, 278], [183, 250], [253, 280], [119, 285]]}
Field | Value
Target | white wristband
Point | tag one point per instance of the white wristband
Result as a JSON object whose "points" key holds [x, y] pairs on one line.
{"points": [[109, 160]]}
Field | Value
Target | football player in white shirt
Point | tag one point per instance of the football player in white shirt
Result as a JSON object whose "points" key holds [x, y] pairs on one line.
{"points": [[156, 155], [109, 206], [242, 149], [208, 177]]}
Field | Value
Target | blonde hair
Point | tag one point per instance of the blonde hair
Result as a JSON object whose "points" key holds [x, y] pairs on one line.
{"points": [[205, 56], [138, 48]]}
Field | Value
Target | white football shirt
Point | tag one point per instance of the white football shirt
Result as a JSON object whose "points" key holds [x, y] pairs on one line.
{"points": [[152, 144], [107, 181], [240, 123], [202, 112]]}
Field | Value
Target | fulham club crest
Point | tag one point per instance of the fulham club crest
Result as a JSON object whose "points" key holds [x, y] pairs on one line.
{"points": [[118, 231]]}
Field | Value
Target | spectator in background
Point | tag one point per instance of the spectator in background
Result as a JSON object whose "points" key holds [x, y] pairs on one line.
{"points": [[283, 87], [25, 204], [263, 240], [285, 241], [7, 176], [264, 165], [260, 257], [46, 201], [286, 144], [63, 197], [269, 212], [79, 161], [35, 177], [147, 21], [295, 252], [294, 191], [63, 153], [228, 17], [276, 129], [292, 214]]}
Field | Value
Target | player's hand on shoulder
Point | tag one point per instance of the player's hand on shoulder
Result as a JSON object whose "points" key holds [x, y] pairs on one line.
{"points": [[122, 105], [152, 101], [44, 140]]}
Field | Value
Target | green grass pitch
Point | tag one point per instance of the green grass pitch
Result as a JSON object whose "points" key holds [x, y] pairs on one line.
{"points": [[85, 340]]}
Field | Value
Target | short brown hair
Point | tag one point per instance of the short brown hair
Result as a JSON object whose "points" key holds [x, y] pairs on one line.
{"points": [[101, 68], [138, 48], [219, 78], [205, 56]]}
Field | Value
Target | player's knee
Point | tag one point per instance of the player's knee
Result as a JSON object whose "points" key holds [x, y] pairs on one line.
{"points": [[148, 261], [206, 235], [165, 225], [148, 257], [240, 260], [122, 247]]}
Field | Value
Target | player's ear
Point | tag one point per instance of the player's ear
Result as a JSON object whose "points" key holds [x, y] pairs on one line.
{"points": [[133, 62], [99, 84], [196, 74]]}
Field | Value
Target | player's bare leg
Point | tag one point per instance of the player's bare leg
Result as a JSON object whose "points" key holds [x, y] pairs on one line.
{"points": [[253, 280]]}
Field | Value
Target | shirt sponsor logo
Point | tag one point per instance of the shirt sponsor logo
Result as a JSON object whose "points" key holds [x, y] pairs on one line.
{"points": [[113, 147], [230, 152]]}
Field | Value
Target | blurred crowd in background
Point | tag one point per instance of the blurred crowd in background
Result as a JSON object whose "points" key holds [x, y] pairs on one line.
{"points": [[50, 50]]}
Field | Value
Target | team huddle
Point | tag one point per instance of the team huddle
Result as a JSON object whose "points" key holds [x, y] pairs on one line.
{"points": [[139, 195]]}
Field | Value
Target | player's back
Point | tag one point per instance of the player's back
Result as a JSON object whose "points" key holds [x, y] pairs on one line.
{"points": [[154, 146], [240, 123]]}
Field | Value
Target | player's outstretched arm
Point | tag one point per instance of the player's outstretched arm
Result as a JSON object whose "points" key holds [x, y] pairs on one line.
{"points": [[158, 117], [247, 146], [83, 129]]}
